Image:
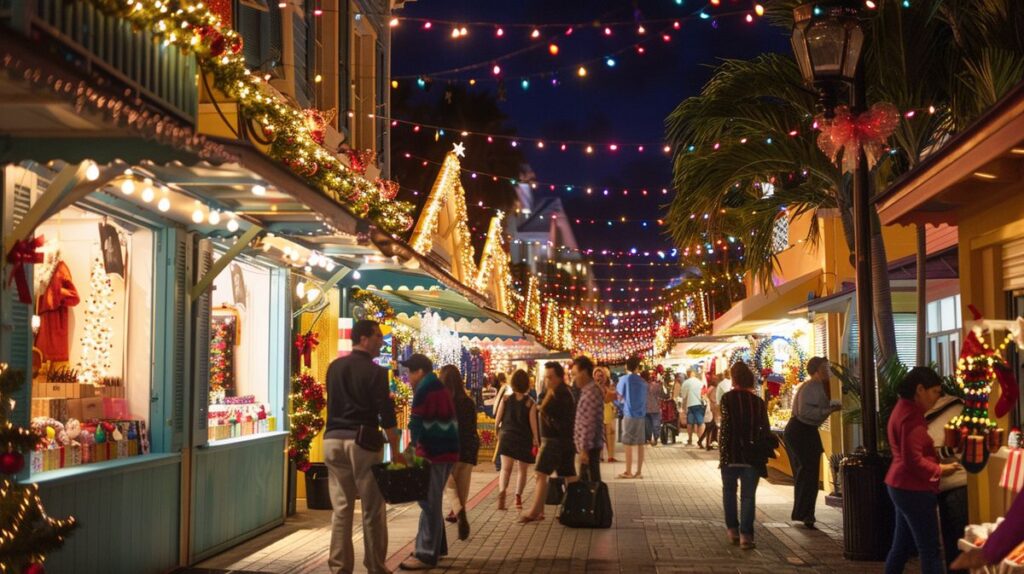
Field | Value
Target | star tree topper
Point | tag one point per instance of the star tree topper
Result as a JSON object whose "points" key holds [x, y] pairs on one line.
{"points": [[459, 149]]}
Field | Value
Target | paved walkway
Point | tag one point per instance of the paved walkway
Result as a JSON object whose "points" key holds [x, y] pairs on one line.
{"points": [[667, 523]]}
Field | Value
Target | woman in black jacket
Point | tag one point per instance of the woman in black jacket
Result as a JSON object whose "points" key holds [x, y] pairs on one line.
{"points": [[742, 454]]}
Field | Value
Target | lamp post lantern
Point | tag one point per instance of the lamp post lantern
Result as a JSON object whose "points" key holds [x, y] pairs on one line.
{"points": [[828, 42]]}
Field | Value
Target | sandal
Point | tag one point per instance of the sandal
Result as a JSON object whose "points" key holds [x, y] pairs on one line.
{"points": [[451, 517], [626, 475], [638, 476], [519, 502], [526, 518]]}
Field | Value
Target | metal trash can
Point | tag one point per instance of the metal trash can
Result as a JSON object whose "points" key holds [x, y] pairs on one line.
{"points": [[318, 492], [867, 508]]}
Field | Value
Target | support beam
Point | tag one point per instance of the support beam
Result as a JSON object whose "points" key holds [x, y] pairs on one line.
{"points": [[325, 287], [69, 186], [221, 263]]}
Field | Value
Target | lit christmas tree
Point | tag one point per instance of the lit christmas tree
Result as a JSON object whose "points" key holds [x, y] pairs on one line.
{"points": [[26, 532], [444, 218], [94, 360]]}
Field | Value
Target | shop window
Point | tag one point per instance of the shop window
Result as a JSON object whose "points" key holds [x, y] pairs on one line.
{"points": [[92, 342], [943, 326], [244, 370]]}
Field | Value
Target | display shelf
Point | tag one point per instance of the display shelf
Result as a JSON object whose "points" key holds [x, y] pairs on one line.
{"points": [[108, 466], [228, 442]]}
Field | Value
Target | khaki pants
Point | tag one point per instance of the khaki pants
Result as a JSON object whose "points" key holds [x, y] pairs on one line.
{"points": [[348, 467], [459, 483]]}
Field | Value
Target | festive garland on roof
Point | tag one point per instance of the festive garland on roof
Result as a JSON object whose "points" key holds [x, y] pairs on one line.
{"points": [[194, 29], [375, 305]]}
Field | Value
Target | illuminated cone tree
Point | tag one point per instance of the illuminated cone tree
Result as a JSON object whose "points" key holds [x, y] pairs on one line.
{"points": [[26, 532]]}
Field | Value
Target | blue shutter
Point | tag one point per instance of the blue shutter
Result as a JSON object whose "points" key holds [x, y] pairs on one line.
{"points": [[201, 346], [182, 252], [17, 200]]}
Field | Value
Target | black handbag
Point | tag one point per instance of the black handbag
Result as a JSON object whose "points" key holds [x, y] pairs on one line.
{"points": [[586, 505], [556, 491], [765, 445]]}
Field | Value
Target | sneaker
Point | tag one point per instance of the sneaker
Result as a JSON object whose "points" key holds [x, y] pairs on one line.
{"points": [[463, 525]]}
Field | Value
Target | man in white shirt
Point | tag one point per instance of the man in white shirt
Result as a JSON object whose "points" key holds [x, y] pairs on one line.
{"points": [[693, 404]]}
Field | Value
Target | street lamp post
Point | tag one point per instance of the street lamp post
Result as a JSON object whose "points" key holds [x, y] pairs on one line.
{"points": [[828, 42]]}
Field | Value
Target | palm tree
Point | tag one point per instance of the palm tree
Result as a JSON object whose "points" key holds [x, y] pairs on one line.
{"points": [[746, 149]]}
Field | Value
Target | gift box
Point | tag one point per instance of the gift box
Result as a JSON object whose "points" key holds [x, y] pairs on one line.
{"points": [[271, 424], [975, 449], [952, 437], [995, 439], [115, 408], [85, 409], [35, 461]]}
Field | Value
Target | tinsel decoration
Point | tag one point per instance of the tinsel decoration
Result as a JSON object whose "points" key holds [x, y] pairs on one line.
{"points": [[849, 134], [308, 400], [94, 359], [27, 533]]}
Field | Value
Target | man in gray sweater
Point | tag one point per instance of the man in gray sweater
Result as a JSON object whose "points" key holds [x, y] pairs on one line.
{"points": [[811, 408]]}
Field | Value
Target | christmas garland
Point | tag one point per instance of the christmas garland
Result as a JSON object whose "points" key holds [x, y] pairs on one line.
{"points": [[375, 305], [194, 29], [308, 400], [222, 351], [764, 357]]}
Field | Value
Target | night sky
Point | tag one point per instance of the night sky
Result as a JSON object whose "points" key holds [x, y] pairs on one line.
{"points": [[624, 104]]}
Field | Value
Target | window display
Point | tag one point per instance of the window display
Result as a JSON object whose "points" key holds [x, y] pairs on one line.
{"points": [[240, 350], [92, 345]]}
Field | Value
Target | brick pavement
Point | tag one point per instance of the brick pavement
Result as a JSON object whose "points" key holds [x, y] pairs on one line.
{"points": [[670, 522]]}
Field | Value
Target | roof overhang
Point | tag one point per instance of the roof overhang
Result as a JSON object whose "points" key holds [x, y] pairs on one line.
{"points": [[982, 161], [760, 313]]}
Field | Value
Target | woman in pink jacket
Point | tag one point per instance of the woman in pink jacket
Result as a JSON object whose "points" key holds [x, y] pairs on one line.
{"points": [[913, 478]]}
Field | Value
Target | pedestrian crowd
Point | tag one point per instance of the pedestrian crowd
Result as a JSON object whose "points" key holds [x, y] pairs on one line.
{"points": [[567, 429]]}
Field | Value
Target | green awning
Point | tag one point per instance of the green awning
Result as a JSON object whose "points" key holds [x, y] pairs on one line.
{"points": [[392, 278]]}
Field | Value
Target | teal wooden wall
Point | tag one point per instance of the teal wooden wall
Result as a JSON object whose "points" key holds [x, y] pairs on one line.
{"points": [[127, 516], [237, 492]]}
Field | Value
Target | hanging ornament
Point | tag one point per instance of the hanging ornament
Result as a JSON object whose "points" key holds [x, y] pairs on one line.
{"points": [[218, 43], [359, 160], [11, 462], [305, 344], [317, 122], [35, 568], [848, 134], [388, 189]]}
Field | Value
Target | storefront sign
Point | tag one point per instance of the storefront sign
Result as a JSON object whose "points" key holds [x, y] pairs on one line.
{"points": [[110, 241], [237, 284]]}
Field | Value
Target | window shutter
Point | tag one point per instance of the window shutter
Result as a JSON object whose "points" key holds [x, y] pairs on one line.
{"points": [[820, 336], [1013, 265], [344, 39], [17, 199], [906, 337], [300, 48], [180, 317], [201, 347]]}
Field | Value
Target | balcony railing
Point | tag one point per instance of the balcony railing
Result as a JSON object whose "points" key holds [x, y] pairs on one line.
{"points": [[161, 74]]}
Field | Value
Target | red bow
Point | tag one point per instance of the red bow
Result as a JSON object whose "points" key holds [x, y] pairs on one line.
{"points": [[24, 251], [850, 134], [305, 344]]}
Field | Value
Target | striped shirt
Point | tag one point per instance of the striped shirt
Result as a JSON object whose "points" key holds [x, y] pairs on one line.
{"points": [[588, 432]]}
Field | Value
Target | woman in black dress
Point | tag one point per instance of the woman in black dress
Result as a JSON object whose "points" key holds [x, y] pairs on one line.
{"points": [[517, 436]]}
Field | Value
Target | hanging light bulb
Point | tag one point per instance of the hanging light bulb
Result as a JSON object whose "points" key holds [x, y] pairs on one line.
{"points": [[357, 275], [128, 186], [197, 213], [147, 190], [92, 171], [300, 289], [232, 224], [312, 294], [214, 217], [164, 204], [259, 190]]}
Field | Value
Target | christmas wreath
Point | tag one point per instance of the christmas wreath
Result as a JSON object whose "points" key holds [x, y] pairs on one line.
{"points": [[375, 305]]}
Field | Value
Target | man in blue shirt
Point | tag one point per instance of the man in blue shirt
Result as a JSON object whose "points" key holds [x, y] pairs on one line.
{"points": [[632, 391]]}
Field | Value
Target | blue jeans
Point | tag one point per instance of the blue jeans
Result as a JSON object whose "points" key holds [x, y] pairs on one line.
{"points": [[653, 426], [746, 477], [917, 524], [431, 542]]}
